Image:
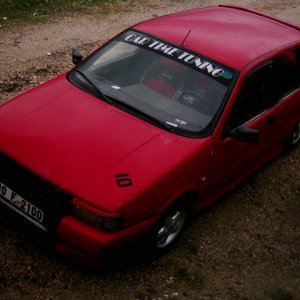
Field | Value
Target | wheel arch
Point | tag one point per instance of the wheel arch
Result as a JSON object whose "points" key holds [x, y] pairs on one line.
{"points": [[189, 198]]}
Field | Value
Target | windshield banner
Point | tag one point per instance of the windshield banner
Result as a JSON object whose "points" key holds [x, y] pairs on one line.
{"points": [[196, 62]]}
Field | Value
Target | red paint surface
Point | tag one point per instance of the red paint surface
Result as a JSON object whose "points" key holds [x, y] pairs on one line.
{"points": [[80, 143]]}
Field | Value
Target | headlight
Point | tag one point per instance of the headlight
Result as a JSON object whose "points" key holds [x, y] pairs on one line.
{"points": [[96, 219]]}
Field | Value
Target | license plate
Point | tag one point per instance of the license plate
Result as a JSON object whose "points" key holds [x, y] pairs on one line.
{"points": [[21, 206]]}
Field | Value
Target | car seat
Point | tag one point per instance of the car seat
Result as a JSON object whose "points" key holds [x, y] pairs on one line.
{"points": [[165, 76]]}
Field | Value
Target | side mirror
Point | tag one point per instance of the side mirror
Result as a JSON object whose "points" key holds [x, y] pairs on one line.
{"points": [[244, 134], [76, 56]]}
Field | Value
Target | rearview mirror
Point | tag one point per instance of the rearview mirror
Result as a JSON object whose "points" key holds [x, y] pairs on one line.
{"points": [[76, 56], [244, 134]]}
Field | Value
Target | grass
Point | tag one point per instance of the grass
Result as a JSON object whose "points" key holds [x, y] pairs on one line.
{"points": [[35, 11]]}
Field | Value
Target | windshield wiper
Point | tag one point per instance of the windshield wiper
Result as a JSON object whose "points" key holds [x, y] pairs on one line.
{"points": [[99, 93], [142, 115], [123, 105]]}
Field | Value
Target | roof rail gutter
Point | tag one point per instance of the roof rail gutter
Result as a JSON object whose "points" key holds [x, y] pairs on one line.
{"points": [[294, 26]]}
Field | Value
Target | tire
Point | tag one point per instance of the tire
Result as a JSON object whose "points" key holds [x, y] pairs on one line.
{"points": [[294, 137], [169, 228]]}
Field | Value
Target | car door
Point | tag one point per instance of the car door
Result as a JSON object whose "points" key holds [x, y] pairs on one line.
{"points": [[286, 94], [254, 131]]}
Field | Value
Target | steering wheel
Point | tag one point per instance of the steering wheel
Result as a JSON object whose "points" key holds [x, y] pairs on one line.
{"points": [[197, 101]]}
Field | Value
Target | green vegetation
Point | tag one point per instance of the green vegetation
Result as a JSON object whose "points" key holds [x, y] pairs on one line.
{"points": [[38, 10]]}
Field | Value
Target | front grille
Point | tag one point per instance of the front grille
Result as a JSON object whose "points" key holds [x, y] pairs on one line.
{"points": [[54, 202]]}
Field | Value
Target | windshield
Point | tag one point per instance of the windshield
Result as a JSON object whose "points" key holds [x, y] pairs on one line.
{"points": [[166, 83]]}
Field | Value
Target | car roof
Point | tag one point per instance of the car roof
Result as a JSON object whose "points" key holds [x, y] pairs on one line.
{"points": [[231, 35]]}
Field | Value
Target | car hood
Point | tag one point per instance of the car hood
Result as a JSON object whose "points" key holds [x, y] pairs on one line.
{"points": [[85, 146]]}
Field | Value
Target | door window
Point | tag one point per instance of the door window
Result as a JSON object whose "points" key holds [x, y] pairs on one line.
{"points": [[265, 87]]}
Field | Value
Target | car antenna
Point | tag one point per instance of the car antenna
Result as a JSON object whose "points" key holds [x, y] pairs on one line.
{"points": [[185, 37]]}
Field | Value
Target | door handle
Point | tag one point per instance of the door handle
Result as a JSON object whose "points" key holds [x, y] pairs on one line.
{"points": [[270, 121]]}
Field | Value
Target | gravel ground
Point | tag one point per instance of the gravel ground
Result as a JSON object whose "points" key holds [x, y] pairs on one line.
{"points": [[245, 246]]}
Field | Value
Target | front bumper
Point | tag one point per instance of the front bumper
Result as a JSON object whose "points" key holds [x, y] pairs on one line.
{"points": [[70, 236], [86, 244]]}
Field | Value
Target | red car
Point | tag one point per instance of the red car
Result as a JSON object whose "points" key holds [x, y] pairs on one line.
{"points": [[150, 128]]}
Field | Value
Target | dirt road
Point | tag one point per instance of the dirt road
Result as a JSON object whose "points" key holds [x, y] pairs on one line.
{"points": [[247, 246]]}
